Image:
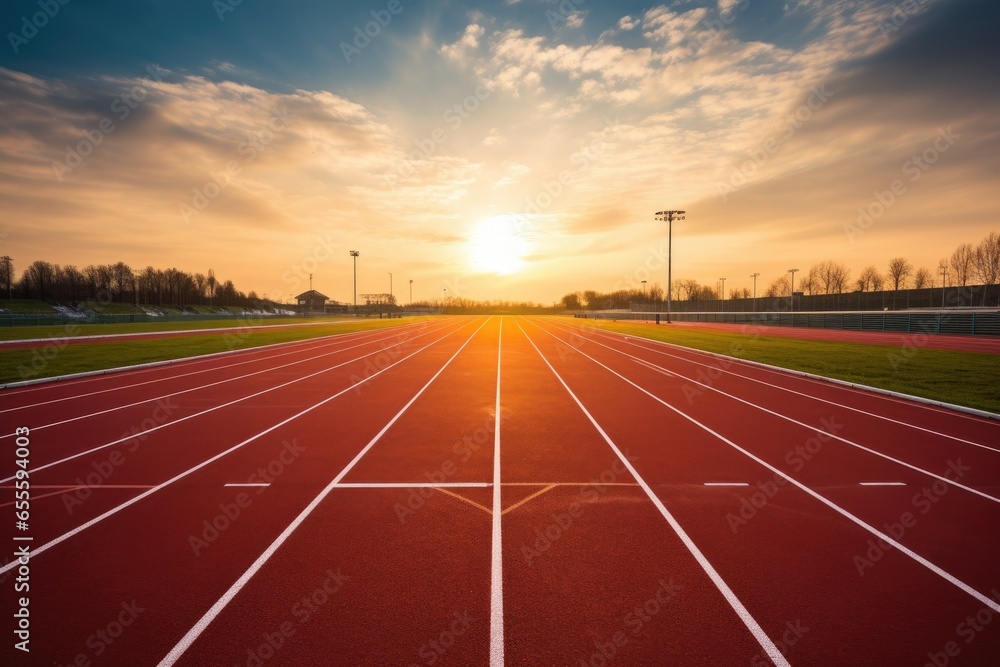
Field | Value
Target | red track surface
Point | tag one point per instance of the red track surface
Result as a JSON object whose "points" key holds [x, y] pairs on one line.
{"points": [[987, 344], [381, 538]]}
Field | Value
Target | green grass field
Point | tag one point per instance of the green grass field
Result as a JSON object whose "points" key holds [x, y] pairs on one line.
{"points": [[962, 378], [51, 360]]}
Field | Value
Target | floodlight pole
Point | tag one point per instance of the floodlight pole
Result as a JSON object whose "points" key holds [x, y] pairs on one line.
{"points": [[754, 276], [354, 254], [669, 217], [723, 294], [793, 272]]}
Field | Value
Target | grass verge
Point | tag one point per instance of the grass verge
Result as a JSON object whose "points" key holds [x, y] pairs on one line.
{"points": [[51, 359], [962, 378], [81, 329]]}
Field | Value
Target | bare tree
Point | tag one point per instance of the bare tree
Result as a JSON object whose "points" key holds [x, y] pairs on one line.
{"points": [[987, 262], [899, 270], [199, 285], [37, 278], [780, 287], [73, 281], [7, 275], [211, 283], [961, 263], [121, 277], [868, 279], [942, 269], [923, 278]]}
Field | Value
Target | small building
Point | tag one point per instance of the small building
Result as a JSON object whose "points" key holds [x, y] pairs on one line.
{"points": [[311, 301]]}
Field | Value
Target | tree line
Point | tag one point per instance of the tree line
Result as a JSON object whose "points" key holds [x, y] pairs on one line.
{"points": [[119, 282], [968, 264]]}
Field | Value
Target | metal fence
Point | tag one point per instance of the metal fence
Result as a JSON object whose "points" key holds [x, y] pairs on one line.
{"points": [[965, 322]]}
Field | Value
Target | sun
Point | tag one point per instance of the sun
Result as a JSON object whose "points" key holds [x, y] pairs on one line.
{"points": [[497, 246]]}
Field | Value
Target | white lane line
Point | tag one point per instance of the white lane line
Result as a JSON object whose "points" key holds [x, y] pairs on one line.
{"points": [[496, 558], [882, 483], [864, 391], [75, 379], [815, 429], [197, 388], [255, 484], [950, 578], [206, 411], [325, 340], [414, 485], [748, 620], [166, 333], [189, 471], [799, 393], [819, 430], [727, 484], [199, 627]]}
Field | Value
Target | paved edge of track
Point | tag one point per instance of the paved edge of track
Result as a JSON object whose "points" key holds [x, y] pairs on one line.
{"points": [[812, 376]]}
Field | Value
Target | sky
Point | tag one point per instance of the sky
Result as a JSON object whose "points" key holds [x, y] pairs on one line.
{"points": [[510, 150]]}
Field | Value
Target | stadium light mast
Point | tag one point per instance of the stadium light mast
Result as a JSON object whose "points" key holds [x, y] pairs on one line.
{"points": [[411, 291], [754, 276], [793, 272], [669, 217], [723, 294], [354, 254]]}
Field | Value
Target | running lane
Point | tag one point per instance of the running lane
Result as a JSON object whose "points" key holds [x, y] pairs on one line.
{"points": [[797, 562]]}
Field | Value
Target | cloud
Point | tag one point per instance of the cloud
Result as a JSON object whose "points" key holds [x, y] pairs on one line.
{"points": [[469, 40], [185, 163]]}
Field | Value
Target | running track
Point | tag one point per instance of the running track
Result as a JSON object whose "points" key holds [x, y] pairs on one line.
{"points": [[490, 490]]}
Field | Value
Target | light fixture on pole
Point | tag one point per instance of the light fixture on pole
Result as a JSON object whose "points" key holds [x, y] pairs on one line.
{"points": [[354, 254], [793, 272], [943, 265], [390, 288], [643, 291], [669, 217], [722, 292], [411, 291], [754, 276]]}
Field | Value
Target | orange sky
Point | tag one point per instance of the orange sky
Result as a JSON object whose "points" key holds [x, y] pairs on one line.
{"points": [[502, 158]]}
